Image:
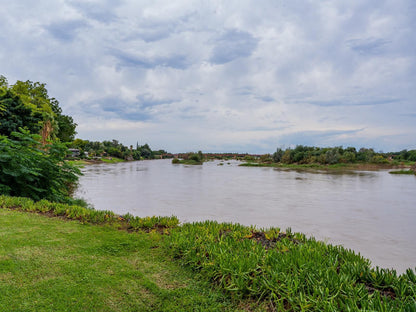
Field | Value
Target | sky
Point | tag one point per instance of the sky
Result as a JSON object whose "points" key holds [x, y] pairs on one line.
{"points": [[222, 76]]}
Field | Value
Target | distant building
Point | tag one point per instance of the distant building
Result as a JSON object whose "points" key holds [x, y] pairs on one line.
{"points": [[74, 152]]}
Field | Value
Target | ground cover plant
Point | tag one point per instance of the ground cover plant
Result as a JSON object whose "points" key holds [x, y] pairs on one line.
{"points": [[289, 271], [88, 215]]}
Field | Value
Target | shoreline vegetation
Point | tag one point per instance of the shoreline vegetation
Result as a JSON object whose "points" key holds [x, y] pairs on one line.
{"points": [[334, 167], [266, 268]]}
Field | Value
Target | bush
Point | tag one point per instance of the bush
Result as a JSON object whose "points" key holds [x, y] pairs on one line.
{"points": [[35, 171], [277, 156], [292, 272]]}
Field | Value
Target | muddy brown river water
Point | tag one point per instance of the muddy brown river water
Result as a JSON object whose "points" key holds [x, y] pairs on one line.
{"points": [[371, 212]]}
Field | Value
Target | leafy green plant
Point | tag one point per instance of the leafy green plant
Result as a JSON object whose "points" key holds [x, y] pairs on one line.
{"points": [[32, 170], [293, 272]]}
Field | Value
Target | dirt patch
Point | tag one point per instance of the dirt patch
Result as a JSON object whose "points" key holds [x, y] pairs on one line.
{"points": [[387, 292], [269, 243]]}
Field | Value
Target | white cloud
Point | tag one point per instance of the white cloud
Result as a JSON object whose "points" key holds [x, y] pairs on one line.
{"points": [[217, 75]]}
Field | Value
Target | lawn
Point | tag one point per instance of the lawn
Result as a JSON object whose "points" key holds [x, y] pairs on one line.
{"points": [[50, 264]]}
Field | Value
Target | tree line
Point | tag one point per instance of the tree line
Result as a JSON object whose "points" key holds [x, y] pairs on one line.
{"points": [[27, 104], [34, 140], [332, 155], [113, 148]]}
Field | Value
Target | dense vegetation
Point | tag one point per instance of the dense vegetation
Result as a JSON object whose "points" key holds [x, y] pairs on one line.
{"points": [[190, 159], [116, 149], [26, 104], [32, 132], [289, 271], [311, 155], [278, 270], [308, 155], [33, 170]]}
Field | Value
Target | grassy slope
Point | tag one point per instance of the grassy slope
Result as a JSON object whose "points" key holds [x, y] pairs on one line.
{"points": [[48, 264], [340, 166]]}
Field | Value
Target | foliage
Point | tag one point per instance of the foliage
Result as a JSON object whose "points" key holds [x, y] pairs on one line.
{"points": [[175, 161], [190, 159], [326, 156], [27, 104], [14, 114], [113, 149], [35, 171], [66, 124], [88, 215], [404, 155], [277, 156], [290, 271], [403, 172], [285, 270]]}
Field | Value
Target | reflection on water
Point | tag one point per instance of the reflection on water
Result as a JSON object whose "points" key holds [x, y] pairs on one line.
{"points": [[372, 212]]}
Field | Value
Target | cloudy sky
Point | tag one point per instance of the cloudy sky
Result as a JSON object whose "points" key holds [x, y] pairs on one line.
{"points": [[231, 75]]}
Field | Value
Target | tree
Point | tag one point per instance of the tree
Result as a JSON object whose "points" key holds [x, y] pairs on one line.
{"points": [[332, 156], [277, 156], [66, 125], [14, 114], [54, 124], [365, 154], [3, 82], [287, 156]]}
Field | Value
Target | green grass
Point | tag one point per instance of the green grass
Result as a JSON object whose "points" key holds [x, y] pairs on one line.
{"points": [[88, 215], [112, 160], [403, 172], [82, 162], [48, 264]]}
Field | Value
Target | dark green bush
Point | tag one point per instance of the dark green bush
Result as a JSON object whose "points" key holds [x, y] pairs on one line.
{"points": [[29, 169]]}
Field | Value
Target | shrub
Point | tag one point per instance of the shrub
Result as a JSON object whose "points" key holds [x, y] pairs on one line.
{"points": [[35, 171], [175, 161]]}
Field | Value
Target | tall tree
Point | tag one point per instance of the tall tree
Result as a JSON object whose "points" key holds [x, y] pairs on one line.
{"points": [[66, 124], [14, 114], [28, 96]]}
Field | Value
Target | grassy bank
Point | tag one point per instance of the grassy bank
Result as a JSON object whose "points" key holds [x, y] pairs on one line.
{"points": [[83, 162], [339, 166], [403, 172], [51, 264]]}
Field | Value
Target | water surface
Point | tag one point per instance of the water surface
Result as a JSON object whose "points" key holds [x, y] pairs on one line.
{"points": [[371, 212]]}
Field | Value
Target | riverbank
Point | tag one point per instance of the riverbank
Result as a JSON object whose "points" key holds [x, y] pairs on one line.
{"points": [[83, 162], [276, 269], [340, 166], [50, 264]]}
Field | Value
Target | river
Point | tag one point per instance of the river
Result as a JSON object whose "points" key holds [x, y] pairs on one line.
{"points": [[371, 212]]}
